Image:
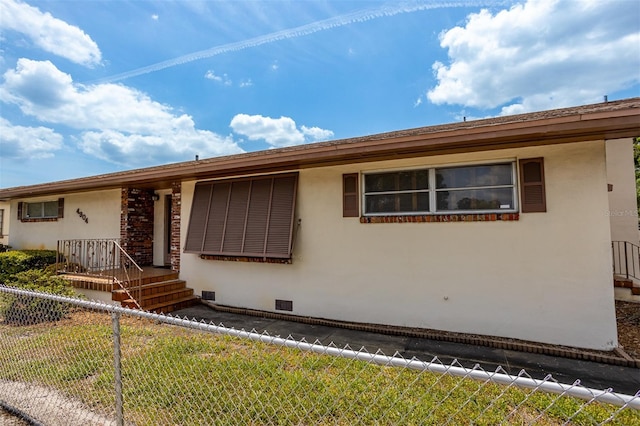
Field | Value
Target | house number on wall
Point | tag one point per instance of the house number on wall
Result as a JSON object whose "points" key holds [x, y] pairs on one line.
{"points": [[82, 215]]}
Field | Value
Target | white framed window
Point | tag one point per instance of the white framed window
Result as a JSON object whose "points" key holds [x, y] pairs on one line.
{"points": [[399, 192], [1, 223], [473, 188], [41, 210]]}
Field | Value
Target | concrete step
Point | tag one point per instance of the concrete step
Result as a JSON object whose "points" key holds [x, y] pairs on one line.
{"points": [[627, 294]]}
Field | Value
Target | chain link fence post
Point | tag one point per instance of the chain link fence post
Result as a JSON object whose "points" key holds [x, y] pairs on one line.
{"points": [[117, 372]]}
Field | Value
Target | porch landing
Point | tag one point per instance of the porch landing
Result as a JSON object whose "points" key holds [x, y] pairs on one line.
{"points": [[626, 289], [160, 289]]}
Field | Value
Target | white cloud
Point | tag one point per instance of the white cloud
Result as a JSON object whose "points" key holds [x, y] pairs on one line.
{"points": [[246, 83], [222, 79], [316, 133], [23, 143], [541, 54], [145, 149], [155, 17], [118, 123], [48, 33], [277, 132]]}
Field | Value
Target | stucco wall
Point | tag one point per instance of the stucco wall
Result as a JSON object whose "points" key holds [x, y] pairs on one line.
{"points": [[4, 232], [622, 199], [102, 209], [546, 277]]}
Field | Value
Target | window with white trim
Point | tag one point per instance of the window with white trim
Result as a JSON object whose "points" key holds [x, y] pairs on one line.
{"points": [[41, 210], [480, 188], [1, 223], [399, 192]]}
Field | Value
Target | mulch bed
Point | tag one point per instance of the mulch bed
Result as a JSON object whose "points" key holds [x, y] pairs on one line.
{"points": [[628, 316]]}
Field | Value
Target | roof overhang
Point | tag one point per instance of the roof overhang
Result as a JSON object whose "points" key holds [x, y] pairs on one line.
{"points": [[611, 120]]}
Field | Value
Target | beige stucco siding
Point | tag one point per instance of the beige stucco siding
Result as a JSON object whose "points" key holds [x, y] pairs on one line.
{"points": [[546, 277], [5, 206], [102, 209], [622, 198]]}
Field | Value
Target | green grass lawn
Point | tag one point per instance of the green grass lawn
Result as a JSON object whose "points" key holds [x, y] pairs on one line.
{"points": [[177, 376]]}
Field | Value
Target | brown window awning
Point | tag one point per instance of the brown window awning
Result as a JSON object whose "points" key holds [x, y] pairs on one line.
{"points": [[250, 217]]}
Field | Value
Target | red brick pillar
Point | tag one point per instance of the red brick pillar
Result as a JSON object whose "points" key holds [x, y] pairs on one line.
{"points": [[136, 224], [176, 214]]}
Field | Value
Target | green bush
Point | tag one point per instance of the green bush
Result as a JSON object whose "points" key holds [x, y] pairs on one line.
{"points": [[15, 261], [25, 310]]}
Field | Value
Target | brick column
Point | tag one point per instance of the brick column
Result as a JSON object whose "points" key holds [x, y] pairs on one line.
{"points": [[176, 214], [136, 224]]}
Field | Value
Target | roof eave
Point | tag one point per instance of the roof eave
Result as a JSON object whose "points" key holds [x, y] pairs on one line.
{"points": [[597, 125]]}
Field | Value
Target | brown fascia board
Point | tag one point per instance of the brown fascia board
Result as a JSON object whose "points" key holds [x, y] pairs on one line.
{"points": [[593, 122]]}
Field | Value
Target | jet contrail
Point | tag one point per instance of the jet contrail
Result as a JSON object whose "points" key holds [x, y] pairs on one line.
{"points": [[326, 24]]}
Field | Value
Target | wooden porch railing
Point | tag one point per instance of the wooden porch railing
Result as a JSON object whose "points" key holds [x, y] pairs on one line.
{"points": [[103, 258]]}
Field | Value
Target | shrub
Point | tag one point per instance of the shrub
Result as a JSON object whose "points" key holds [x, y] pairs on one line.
{"points": [[14, 261], [25, 310]]}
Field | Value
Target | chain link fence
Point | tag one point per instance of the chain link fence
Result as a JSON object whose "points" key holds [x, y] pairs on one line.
{"points": [[66, 362]]}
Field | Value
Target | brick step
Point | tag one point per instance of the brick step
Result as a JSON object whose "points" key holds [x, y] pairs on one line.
{"points": [[167, 296], [169, 276], [157, 297], [622, 282], [168, 306], [120, 295]]}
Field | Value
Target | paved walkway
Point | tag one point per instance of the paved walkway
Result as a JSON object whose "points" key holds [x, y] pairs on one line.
{"points": [[591, 374]]}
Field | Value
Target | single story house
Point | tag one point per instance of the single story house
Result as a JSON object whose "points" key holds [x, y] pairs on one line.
{"points": [[498, 227]]}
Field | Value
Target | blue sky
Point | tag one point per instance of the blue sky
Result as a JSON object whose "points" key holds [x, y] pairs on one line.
{"points": [[92, 87]]}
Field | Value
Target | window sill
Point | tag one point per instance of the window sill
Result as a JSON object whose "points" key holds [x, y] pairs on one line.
{"points": [[40, 219], [246, 259], [481, 217]]}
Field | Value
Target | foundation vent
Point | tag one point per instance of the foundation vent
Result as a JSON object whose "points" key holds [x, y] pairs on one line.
{"points": [[284, 305], [209, 295]]}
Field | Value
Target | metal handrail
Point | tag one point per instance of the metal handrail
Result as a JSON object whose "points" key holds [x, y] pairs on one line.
{"points": [[103, 258], [125, 267], [626, 259]]}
